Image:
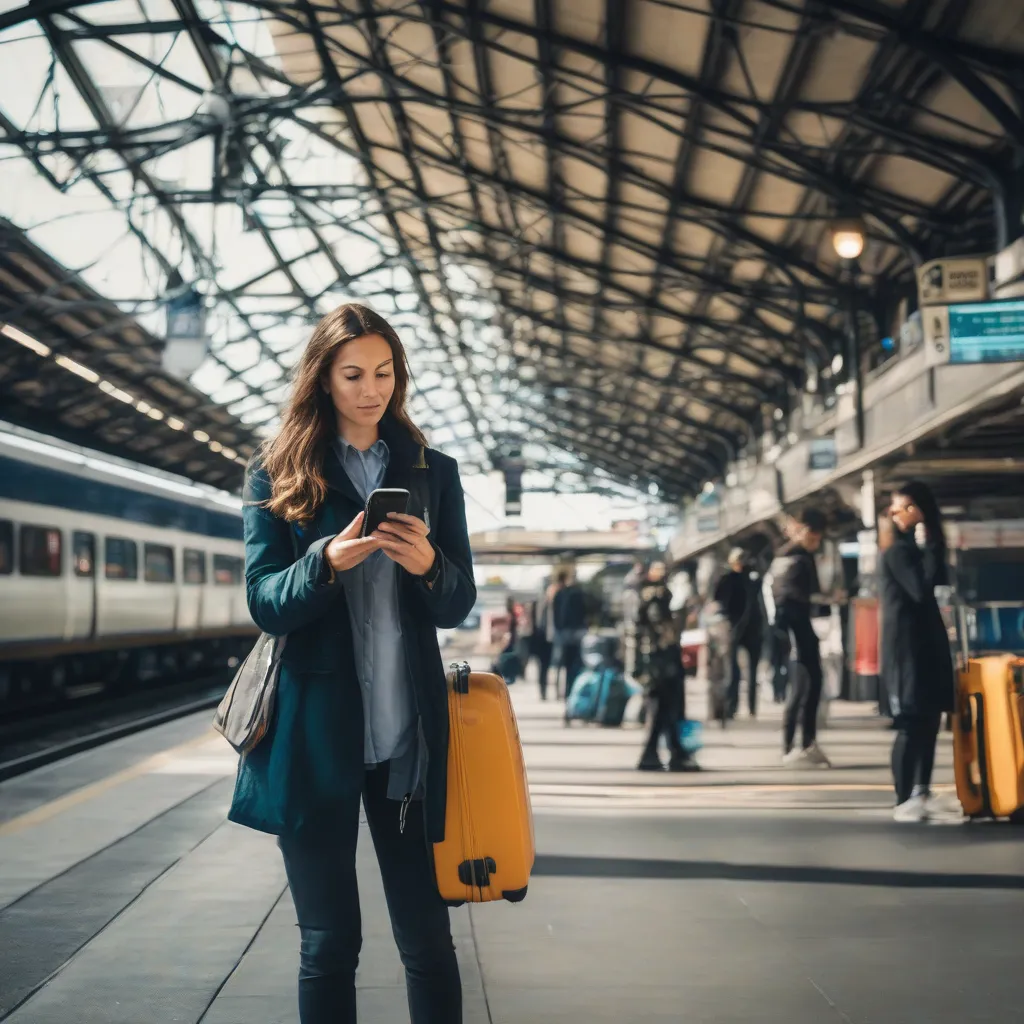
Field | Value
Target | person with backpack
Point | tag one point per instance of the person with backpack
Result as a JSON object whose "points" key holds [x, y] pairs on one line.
{"points": [[361, 709], [660, 665]]}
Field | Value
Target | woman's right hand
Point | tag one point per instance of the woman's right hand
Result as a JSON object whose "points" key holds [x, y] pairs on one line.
{"points": [[348, 549]]}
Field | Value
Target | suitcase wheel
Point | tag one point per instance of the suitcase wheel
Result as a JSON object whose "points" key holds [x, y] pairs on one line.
{"points": [[514, 895]]}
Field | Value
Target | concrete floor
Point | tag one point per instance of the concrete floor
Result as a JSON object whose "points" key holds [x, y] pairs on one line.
{"points": [[748, 892]]}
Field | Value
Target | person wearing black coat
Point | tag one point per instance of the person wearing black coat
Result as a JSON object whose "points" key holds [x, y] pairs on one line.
{"points": [[915, 659], [660, 667], [739, 597], [569, 616]]}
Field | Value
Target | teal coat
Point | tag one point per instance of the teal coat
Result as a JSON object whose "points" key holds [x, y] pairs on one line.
{"points": [[308, 770]]}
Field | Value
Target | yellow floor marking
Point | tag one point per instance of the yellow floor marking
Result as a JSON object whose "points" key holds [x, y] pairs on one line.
{"points": [[571, 789], [80, 796]]}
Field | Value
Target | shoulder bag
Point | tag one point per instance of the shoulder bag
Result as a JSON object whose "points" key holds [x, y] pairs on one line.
{"points": [[243, 715]]}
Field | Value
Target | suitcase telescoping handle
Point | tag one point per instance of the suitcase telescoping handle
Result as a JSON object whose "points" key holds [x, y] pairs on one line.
{"points": [[458, 677]]}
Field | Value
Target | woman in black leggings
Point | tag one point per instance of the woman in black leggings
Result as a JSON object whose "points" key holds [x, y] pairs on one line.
{"points": [[916, 663]]}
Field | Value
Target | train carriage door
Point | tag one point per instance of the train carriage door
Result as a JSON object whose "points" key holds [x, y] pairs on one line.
{"points": [[160, 590], [193, 580], [82, 586], [9, 583]]}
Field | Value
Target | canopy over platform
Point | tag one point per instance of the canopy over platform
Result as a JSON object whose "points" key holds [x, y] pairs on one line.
{"points": [[603, 226], [74, 366]]}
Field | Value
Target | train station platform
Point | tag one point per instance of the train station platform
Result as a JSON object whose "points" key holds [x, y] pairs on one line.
{"points": [[748, 892]]}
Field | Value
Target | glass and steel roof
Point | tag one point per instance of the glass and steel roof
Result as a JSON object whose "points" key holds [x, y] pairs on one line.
{"points": [[601, 226]]}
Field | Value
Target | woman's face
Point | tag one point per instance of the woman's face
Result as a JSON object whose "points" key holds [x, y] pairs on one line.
{"points": [[656, 573], [905, 514], [361, 381]]}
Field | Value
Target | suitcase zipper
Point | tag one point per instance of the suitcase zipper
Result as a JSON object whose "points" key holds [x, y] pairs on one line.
{"points": [[403, 813]]}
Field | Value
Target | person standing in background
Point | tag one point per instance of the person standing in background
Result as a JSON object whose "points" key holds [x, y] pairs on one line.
{"points": [[569, 617], [795, 587], [915, 660], [509, 665], [737, 594], [630, 611], [660, 667], [543, 633]]}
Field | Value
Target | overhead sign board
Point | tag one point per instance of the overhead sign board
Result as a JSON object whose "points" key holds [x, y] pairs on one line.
{"points": [[946, 281], [821, 454], [975, 332], [987, 332], [709, 512]]}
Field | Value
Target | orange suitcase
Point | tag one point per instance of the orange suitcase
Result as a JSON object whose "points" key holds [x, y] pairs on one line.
{"points": [[988, 738], [488, 847]]}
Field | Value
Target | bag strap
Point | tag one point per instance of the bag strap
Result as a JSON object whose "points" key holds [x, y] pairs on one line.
{"points": [[418, 491]]}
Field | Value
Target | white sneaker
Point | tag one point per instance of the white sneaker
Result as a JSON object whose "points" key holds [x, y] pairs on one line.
{"points": [[797, 758], [817, 756], [943, 808], [914, 809]]}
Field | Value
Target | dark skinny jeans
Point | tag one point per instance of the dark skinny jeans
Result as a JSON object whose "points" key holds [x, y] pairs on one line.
{"points": [[544, 649], [321, 871], [752, 645], [913, 753], [804, 687], [667, 708]]}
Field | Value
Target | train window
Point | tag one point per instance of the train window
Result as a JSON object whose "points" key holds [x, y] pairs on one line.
{"points": [[6, 547], [40, 551], [122, 559], [195, 566], [83, 548], [159, 561], [227, 569]]}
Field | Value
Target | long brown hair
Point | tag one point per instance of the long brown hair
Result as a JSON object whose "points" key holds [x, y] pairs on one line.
{"points": [[294, 458]]}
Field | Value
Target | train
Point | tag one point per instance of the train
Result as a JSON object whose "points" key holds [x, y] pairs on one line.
{"points": [[113, 575]]}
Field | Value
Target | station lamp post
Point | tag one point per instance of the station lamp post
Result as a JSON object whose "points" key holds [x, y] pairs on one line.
{"points": [[848, 235]]}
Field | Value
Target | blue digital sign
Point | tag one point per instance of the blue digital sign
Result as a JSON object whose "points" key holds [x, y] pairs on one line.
{"points": [[999, 628], [986, 332]]}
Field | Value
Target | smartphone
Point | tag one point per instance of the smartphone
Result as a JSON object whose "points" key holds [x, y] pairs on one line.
{"points": [[380, 503]]}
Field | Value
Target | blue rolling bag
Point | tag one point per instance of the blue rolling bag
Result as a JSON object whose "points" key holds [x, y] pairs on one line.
{"points": [[599, 695]]}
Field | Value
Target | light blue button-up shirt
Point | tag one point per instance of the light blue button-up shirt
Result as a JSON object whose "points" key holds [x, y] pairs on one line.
{"points": [[371, 593]]}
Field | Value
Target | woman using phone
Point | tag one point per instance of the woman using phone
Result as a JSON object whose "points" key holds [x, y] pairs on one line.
{"points": [[916, 664], [361, 709]]}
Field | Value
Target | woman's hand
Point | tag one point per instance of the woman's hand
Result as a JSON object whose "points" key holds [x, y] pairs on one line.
{"points": [[404, 540], [348, 549]]}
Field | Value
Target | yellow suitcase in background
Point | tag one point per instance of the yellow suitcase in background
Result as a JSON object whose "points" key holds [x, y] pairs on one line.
{"points": [[988, 738], [488, 848]]}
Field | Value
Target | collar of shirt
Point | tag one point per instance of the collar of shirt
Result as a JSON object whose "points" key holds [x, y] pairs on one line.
{"points": [[366, 469]]}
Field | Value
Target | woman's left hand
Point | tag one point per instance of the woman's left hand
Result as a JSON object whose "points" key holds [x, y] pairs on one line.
{"points": [[404, 540]]}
